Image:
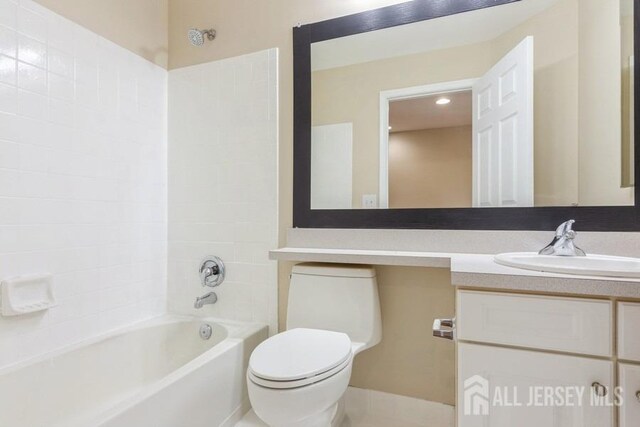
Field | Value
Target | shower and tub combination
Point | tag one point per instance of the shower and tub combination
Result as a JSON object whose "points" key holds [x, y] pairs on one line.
{"points": [[91, 211]]}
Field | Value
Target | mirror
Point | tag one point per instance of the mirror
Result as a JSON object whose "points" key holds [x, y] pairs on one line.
{"points": [[525, 104]]}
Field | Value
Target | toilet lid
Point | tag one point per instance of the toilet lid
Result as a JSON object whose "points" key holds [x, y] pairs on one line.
{"points": [[299, 353]]}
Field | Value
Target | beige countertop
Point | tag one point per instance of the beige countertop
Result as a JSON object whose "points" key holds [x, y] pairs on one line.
{"points": [[477, 271]]}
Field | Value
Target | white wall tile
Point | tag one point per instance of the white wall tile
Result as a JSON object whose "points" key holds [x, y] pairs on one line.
{"points": [[8, 98], [32, 78], [9, 127], [7, 69], [66, 207], [31, 22], [60, 63], [223, 184], [32, 51], [32, 104], [8, 42], [8, 13], [60, 33], [61, 87]]}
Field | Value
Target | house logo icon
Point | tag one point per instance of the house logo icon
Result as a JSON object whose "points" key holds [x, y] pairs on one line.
{"points": [[476, 396]]}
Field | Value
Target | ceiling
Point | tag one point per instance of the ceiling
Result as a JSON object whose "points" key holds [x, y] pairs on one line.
{"points": [[423, 113], [441, 33]]}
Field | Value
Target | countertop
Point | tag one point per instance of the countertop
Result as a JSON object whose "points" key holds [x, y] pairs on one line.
{"points": [[477, 271]]}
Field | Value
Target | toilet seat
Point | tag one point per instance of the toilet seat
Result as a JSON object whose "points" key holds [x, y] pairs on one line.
{"points": [[299, 357], [297, 383]]}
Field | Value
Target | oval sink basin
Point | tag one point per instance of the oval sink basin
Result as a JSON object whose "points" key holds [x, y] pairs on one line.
{"points": [[591, 265]]}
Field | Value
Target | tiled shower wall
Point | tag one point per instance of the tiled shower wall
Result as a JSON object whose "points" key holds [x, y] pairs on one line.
{"points": [[223, 184], [82, 178]]}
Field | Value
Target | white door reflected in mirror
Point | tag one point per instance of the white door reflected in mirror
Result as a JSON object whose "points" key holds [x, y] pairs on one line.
{"points": [[503, 132]]}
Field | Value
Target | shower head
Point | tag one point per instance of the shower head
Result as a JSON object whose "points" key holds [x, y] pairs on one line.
{"points": [[196, 37]]}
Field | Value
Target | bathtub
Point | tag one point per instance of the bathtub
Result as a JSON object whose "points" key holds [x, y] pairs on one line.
{"points": [[159, 373]]}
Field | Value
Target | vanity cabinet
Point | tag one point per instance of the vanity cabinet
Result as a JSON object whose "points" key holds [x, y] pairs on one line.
{"points": [[517, 378], [514, 348]]}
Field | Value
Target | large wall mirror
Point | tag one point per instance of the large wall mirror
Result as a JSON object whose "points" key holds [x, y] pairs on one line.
{"points": [[479, 114]]}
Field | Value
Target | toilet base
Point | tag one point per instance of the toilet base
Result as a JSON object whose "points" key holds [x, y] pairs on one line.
{"points": [[250, 419], [339, 417]]}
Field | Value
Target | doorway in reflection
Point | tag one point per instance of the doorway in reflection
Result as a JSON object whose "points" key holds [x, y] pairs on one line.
{"points": [[430, 144]]}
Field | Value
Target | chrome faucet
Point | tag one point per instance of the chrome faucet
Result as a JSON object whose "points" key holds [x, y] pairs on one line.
{"points": [[212, 272], [210, 298], [562, 244]]}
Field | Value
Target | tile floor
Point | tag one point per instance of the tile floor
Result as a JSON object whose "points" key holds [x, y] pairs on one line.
{"points": [[368, 408]]}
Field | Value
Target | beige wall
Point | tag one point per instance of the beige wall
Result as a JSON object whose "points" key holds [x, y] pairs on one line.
{"points": [[430, 168], [137, 25], [409, 360]]}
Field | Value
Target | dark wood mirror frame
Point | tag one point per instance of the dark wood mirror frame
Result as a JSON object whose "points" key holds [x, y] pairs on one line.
{"points": [[606, 218]]}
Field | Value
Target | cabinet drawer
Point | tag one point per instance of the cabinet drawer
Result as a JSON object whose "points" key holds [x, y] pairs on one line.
{"points": [[628, 335], [630, 384], [548, 323]]}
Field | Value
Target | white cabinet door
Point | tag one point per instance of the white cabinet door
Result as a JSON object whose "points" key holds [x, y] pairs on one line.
{"points": [[503, 131], [630, 383], [499, 378]]}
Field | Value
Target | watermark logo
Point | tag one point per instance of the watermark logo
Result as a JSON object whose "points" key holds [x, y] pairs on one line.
{"points": [[476, 396], [479, 397]]}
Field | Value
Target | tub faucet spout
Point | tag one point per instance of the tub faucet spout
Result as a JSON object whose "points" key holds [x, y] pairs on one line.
{"points": [[210, 298]]}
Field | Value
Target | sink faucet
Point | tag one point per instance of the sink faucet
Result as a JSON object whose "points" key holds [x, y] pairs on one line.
{"points": [[210, 298], [562, 244]]}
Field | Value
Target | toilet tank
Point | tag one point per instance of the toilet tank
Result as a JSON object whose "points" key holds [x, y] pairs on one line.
{"points": [[336, 297]]}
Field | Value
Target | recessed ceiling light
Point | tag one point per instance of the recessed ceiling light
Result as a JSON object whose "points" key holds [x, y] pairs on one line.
{"points": [[390, 127], [443, 101]]}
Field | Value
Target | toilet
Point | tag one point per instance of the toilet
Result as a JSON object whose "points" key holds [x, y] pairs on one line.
{"points": [[299, 377]]}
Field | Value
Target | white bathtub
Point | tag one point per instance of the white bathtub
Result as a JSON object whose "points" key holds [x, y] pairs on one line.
{"points": [[158, 373]]}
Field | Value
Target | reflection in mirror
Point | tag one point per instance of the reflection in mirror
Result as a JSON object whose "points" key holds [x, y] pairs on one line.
{"points": [[519, 105], [429, 143]]}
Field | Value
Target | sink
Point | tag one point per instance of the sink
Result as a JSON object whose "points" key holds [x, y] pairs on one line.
{"points": [[591, 265]]}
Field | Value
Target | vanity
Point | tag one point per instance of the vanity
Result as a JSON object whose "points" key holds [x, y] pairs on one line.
{"points": [[527, 341], [522, 331], [473, 129]]}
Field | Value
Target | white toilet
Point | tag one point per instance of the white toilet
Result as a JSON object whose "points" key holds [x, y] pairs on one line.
{"points": [[298, 377]]}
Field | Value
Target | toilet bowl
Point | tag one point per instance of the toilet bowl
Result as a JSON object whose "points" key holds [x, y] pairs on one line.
{"points": [[299, 377]]}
